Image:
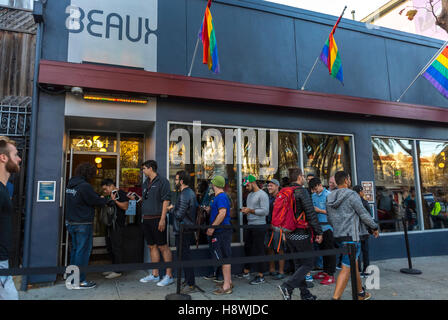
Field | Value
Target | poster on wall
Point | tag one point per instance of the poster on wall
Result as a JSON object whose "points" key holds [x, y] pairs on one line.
{"points": [[368, 191], [46, 191]]}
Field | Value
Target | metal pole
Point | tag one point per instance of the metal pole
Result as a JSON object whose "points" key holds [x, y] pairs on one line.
{"points": [[423, 70], [410, 270], [194, 56], [353, 270], [309, 74]]}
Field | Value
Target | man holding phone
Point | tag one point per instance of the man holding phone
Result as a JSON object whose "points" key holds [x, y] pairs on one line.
{"points": [[115, 232]]}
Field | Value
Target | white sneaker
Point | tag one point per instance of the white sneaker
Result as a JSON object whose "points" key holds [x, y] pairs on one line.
{"points": [[167, 280], [149, 278], [113, 275], [106, 273]]}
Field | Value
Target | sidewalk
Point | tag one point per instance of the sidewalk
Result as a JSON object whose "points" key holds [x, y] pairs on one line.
{"points": [[432, 284]]}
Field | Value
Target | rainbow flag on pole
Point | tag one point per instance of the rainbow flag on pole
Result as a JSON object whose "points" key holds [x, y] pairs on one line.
{"points": [[330, 54], [437, 72], [207, 34]]}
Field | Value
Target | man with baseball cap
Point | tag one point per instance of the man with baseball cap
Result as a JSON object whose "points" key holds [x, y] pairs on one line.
{"points": [[256, 211], [220, 239]]}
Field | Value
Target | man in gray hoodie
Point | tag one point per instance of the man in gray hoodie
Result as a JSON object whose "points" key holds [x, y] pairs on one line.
{"points": [[345, 213]]}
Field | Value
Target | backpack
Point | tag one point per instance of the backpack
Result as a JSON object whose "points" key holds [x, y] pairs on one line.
{"points": [[283, 213], [108, 215]]}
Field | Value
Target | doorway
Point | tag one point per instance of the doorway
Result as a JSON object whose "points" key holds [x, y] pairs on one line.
{"points": [[116, 156]]}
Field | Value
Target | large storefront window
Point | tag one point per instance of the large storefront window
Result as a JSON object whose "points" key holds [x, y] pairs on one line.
{"points": [[131, 156], [266, 154], [324, 155], [204, 152], [432, 159], [395, 183]]}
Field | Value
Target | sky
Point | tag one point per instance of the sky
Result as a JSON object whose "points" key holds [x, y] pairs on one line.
{"points": [[334, 7]]}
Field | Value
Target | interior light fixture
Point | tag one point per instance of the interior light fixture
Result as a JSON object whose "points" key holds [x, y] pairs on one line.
{"points": [[98, 160]]}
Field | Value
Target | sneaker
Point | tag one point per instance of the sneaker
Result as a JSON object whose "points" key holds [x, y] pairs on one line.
{"points": [[210, 277], [280, 276], [189, 289], [308, 296], [220, 291], [220, 285], [339, 266], [150, 278], [106, 273], [273, 274], [286, 293], [113, 275], [364, 295], [309, 278], [86, 285], [218, 280], [166, 281], [320, 276], [243, 275], [327, 280], [365, 274], [257, 280]]}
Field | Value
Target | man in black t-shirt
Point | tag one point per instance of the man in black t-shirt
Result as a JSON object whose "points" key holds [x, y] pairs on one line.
{"points": [[9, 163], [115, 231]]}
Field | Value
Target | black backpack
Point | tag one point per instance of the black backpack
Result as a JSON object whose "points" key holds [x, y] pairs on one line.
{"points": [[108, 215]]}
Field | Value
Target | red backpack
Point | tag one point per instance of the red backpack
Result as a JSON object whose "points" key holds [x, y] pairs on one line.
{"points": [[283, 214]]}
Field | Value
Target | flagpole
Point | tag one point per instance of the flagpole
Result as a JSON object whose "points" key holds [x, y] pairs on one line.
{"points": [[309, 74], [424, 69], [194, 56], [317, 59]]}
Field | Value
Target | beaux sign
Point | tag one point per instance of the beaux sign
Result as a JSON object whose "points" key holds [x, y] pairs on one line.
{"points": [[113, 32]]}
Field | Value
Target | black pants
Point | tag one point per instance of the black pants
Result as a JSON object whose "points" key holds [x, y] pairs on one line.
{"points": [[186, 255], [365, 255], [328, 244], [302, 266], [254, 246], [115, 245]]}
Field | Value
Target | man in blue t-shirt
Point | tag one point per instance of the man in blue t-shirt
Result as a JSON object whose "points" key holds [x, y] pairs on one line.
{"points": [[220, 239], [319, 201]]}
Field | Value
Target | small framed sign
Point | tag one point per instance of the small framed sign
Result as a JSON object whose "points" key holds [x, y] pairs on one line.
{"points": [[368, 191], [46, 191]]}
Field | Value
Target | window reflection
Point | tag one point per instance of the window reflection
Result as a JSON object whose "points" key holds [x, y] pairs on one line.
{"points": [[214, 159], [432, 159], [394, 181], [324, 155]]}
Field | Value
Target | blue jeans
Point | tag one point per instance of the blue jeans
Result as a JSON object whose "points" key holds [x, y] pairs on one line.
{"points": [[8, 290], [345, 258], [82, 239]]}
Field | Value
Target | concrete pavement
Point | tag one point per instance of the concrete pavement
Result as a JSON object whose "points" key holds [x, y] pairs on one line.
{"points": [[432, 284]]}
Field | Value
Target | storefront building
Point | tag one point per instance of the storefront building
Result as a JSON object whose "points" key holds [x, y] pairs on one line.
{"points": [[252, 118]]}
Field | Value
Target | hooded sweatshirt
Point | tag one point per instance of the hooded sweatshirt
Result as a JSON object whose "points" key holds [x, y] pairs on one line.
{"points": [[345, 213], [80, 201]]}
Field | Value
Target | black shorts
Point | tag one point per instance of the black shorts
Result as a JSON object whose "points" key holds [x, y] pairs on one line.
{"points": [[151, 233], [220, 244]]}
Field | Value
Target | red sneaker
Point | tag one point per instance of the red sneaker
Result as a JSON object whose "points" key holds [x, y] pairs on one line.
{"points": [[328, 280], [320, 275]]}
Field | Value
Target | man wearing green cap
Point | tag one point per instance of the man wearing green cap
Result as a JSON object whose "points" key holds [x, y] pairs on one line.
{"points": [[256, 211], [220, 239]]}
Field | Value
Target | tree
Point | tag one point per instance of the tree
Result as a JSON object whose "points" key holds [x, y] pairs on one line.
{"points": [[432, 6]]}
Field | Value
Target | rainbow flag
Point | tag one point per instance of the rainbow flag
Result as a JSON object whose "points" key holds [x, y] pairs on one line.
{"points": [[207, 34], [330, 55], [437, 72]]}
